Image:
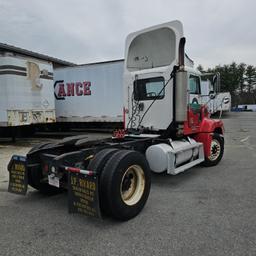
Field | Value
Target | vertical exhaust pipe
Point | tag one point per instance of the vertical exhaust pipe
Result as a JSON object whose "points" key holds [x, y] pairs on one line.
{"points": [[182, 53], [181, 88]]}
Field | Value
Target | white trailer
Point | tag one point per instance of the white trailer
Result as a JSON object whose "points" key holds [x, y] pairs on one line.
{"points": [[211, 96], [223, 100], [89, 93], [26, 91], [247, 107]]}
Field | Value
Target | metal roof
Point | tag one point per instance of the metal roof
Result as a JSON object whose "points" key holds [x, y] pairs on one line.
{"points": [[101, 62], [25, 52], [94, 63]]}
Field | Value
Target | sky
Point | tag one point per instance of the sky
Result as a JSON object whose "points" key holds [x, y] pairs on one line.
{"points": [[84, 31]]}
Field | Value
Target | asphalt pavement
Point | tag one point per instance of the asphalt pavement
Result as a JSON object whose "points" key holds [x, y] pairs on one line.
{"points": [[203, 211]]}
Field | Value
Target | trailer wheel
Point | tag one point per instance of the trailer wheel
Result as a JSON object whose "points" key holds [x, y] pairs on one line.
{"points": [[97, 164], [216, 151], [125, 184]]}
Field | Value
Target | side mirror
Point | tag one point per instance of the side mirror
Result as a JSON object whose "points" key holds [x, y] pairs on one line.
{"points": [[212, 95]]}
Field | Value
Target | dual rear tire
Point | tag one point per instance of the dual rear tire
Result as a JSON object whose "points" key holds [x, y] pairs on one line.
{"points": [[124, 182]]}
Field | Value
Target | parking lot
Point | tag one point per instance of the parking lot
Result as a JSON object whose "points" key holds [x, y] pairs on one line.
{"points": [[203, 211]]}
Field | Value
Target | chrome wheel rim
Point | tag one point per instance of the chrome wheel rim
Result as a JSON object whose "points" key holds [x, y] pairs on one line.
{"points": [[215, 150], [132, 185]]}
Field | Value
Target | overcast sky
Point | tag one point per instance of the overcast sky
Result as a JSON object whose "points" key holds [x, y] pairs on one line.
{"points": [[82, 31]]}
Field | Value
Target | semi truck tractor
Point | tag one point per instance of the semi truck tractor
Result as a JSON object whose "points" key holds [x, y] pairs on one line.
{"points": [[163, 133]]}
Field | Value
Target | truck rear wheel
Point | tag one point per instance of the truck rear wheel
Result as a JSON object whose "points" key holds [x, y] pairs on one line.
{"points": [[125, 184], [216, 150], [97, 164]]}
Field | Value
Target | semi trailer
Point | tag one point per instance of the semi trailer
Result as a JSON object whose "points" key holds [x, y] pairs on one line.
{"points": [[163, 133], [211, 94], [79, 89], [26, 91]]}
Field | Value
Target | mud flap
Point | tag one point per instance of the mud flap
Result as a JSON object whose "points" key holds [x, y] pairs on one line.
{"points": [[83, 194], [18, 175]]}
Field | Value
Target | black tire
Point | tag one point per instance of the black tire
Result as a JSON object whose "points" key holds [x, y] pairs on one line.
{"points": [[216, 151], [97, 164], [114, 180]]}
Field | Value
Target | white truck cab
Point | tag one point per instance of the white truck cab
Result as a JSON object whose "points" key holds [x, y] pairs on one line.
{"points": [[152, 57]]}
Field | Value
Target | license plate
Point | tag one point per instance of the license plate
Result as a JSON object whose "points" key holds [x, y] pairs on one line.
{"points": [[53, 180]]}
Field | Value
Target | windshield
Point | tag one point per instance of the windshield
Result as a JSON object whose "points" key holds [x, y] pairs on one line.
{"points": [[194, 84], [149, 89]]}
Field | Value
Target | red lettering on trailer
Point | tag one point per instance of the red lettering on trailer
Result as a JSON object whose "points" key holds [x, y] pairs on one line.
{"points": [[61, 92], [79, 89], [87, 89], [70, 89]]}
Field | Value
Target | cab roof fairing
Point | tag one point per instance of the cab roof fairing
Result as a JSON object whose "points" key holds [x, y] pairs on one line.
{"points": [[155, 39]]}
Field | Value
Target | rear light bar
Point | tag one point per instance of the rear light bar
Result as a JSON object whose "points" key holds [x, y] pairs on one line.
{"points": [[78, 170]]}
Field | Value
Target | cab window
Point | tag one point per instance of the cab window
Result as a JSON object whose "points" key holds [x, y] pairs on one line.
{"points": [[194, 84], [149, 89]]}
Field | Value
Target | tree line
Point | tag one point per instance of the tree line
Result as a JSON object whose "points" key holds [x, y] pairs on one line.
{"points": [[238, 79]]}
